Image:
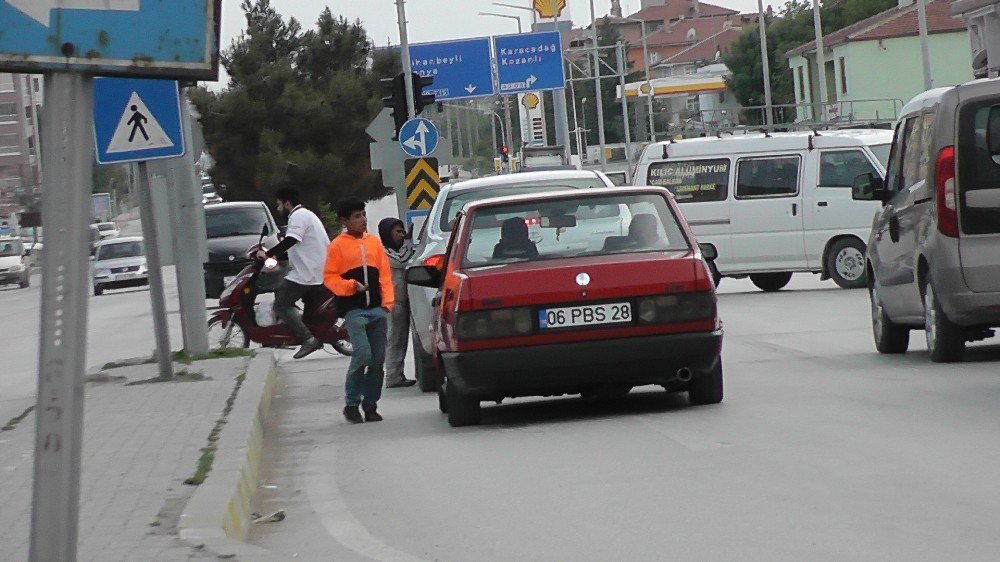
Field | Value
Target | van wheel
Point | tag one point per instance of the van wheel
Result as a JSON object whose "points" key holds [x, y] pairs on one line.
{"points": [[462, 410], [889, 336], [945, 339], [845, 262], [770, 282], [707, 388], [427, 378]]}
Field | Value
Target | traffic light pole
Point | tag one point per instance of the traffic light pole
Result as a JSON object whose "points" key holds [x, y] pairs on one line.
{"points": [[404, 51]]}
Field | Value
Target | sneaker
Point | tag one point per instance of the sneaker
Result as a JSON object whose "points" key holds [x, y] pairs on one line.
{"points": [[307, 348], [352, 414], [405, 382], [371, 415]]}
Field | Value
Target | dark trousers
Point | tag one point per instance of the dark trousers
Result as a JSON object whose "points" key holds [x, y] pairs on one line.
{"points": [[287, 295]]}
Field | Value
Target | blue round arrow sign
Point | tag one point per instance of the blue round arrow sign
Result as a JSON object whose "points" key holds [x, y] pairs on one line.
{"points": [[418, 137]]}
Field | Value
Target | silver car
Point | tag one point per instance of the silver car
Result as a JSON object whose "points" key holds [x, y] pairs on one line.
{"points": [[433, 240], [934, 253], [120, 263]]}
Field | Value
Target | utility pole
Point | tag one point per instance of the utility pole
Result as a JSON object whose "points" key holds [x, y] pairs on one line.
{"points": [[924, 47], [509, 143], [404, 51], [820, 61], [769, 117], [628, 134], [597, 86]]}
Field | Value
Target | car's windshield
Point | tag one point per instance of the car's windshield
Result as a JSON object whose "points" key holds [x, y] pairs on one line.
{"points": [[881, 152], [567, 228], [10, 248], [455, 203], [120, 250], [220, 223]]}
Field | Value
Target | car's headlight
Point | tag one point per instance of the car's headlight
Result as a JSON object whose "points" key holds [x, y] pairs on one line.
{"points": [[16, 268], [102, 272], [500, 323], [682, 307]]}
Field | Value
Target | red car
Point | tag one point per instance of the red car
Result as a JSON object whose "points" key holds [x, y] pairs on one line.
{"points": [[581, 292]]}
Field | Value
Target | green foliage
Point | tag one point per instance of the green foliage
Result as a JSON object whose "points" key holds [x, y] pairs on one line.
{"points": [[295, 109], [790, 29], [328, 214]]}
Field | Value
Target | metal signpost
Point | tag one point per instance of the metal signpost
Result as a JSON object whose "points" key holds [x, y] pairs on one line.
{"points": [[73, 40], [461, 69]]}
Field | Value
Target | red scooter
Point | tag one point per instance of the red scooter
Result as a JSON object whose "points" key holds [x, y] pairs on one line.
{"points": [[234, 324]]}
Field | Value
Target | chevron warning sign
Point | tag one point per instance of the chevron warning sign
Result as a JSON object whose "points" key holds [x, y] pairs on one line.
{"points": [[422, 182]]}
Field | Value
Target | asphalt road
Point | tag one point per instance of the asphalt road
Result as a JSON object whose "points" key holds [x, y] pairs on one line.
{"points": [[822, 450]]}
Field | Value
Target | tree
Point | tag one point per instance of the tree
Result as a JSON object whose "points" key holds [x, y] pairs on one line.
{"points": [[791, 28], [295, 109]]}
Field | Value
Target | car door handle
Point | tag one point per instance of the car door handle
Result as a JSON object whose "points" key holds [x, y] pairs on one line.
{"points": [[795, 209], [822, 204]]}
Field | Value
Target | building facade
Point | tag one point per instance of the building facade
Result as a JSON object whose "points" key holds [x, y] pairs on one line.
{"points": [[20, 160]]}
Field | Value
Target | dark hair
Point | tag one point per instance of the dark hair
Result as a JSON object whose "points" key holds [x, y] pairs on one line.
{"points": [[348, 206], [287, 193]]}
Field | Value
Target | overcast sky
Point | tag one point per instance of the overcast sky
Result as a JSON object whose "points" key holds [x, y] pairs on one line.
{"points": [[434, 20]]}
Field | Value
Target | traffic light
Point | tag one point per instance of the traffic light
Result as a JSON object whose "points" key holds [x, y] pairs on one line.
{"points": [[394, 97], [505, 154], [420, 99]]}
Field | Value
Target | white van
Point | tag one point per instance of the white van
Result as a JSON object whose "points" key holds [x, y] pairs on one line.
{"points": [[775, 204]]}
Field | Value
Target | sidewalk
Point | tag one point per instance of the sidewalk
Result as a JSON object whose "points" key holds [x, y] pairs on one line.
{"points": [[141, 442]]}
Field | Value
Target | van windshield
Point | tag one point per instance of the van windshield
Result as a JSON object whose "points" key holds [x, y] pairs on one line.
{"points": [[881, 151]]}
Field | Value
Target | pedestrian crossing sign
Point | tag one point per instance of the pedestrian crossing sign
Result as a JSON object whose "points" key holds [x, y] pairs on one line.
{"points": [[137, 120]]}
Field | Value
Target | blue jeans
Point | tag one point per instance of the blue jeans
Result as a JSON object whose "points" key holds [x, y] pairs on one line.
{"points": [[367, 328]]}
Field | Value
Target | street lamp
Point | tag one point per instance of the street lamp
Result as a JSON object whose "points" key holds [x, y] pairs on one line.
{"points": [[534, 14], [494, 14], [645, 66]]}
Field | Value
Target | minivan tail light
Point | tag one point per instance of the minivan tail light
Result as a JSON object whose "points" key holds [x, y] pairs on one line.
{"points": [[944, 188]]}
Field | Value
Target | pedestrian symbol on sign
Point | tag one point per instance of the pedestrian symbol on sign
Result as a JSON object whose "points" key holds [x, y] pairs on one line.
{"points": [[138, 129]]}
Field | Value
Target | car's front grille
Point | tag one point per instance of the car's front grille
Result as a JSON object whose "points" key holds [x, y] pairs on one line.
{"points": [[125, 269], [3, 270]]}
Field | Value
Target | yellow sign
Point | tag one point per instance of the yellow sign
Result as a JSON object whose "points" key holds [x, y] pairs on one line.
{"points": [[645, 88], [422, 183], [550, 8], [530, 101]]}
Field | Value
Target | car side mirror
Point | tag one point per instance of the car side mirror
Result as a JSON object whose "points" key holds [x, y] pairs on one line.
{"points": [[868, 187], [708, 251], [423, 276]]}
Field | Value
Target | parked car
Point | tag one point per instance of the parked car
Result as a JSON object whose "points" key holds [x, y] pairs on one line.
{"points": [[208, 194], [773, 204], [934, 253], [120, 263], [14, 269], [580, 310], [232, 228], [433, 239], [107, 230]]}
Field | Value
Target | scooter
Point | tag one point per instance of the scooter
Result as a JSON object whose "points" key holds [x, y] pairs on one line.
{"points": [[234, 323]]}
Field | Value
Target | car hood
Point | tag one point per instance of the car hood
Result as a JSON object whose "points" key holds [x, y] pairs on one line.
{"points": [[120, 262], [551, 281], [9, 261], [220, 249]]}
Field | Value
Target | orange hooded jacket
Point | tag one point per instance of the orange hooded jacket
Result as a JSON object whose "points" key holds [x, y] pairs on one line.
{"points": [[350, 259]]}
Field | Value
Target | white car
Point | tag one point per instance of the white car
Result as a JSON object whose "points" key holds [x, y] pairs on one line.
{"points": [[13, 268], [107, 230], [120, 263], [436, 231]]}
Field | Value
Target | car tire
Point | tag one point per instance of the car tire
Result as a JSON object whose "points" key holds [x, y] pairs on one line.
{"points": [[771, 282], [707, 388], [237, 338], [845, 263], [890, 338], [945, 339], [24, 284], [427, 378], [462, 410], [98, 291]]}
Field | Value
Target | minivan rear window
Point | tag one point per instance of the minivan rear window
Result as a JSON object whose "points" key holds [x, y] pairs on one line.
{"points": [[978, 171], [692, 181]]}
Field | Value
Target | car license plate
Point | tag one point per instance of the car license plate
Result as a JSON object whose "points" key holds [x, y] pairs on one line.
{"points": [[586, 315], [125, 276]]}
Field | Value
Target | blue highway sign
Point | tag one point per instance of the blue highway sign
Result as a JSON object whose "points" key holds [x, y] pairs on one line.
{"points": [[418, 137], [137, 120], [177, 39], [461, 69], [529, 62]]}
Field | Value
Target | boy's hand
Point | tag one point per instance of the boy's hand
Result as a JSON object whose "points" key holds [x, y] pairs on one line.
{"points": [[360, 287]]}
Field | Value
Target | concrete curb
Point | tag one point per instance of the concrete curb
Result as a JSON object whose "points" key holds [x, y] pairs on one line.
{"points": [[218, 514]]}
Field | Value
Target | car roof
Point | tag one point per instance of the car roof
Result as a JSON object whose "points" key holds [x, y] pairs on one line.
{"points": [[236, 205], [121, 240], [773, 142], [573, 194], [521, 178]]}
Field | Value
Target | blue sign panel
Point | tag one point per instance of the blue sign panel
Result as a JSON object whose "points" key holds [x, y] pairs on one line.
{"points": [[418, 137], [176, 38], [461, 69], [137, 120], [529, 62]]}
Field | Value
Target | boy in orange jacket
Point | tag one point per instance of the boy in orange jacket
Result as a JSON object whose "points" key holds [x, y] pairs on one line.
{"points": [[358, 272]]}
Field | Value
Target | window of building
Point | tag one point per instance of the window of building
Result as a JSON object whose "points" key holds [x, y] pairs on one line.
{"points": [[654, 57], [36, 84], [6, 82], [772, 176], [802, 85], [9, 140], [27, 111], [8, 110], [843, 75]]}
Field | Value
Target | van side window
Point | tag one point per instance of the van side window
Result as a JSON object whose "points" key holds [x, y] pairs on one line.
{"points": [[892, 176], [773, 176], [913, 153], [692, 181], [838, 168]]}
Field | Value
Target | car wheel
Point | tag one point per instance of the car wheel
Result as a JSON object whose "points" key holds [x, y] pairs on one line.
{"points": [[889, 336], [229, 337], [845, 262], [426, 374], [707, 388], [98, 291], [25, 284], [770, 282], [945, 339], [344, 347], [462, 410]]}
